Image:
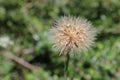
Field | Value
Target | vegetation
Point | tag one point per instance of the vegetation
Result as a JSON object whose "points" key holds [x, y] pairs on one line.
{"points": [[26, 54]]}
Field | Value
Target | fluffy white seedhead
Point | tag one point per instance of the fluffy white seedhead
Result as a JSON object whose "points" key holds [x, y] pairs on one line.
{"points": [[72, 34]]}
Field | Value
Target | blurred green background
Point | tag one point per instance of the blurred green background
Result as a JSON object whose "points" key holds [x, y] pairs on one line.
{"points": [[25, 53]]}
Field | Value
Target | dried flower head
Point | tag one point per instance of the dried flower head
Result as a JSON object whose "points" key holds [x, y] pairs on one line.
{"points": [[72, 34]]}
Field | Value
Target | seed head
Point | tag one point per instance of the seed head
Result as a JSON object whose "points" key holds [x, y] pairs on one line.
{"points": [[72, 34]]}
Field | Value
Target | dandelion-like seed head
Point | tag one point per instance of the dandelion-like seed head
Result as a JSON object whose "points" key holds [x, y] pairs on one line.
{"points": [[72, 34]]}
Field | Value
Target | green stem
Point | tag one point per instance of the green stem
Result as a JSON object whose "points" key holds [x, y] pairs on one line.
{"points": [[66, 66]]}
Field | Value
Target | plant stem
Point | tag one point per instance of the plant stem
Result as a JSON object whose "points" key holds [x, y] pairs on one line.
{"points": [[66, 65]]}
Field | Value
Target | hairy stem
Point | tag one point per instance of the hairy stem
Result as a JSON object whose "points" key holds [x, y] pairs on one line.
{"points": [[66, 65]]}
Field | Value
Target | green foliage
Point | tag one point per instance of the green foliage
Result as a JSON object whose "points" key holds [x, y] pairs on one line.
{"points": [[26, 23]]}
